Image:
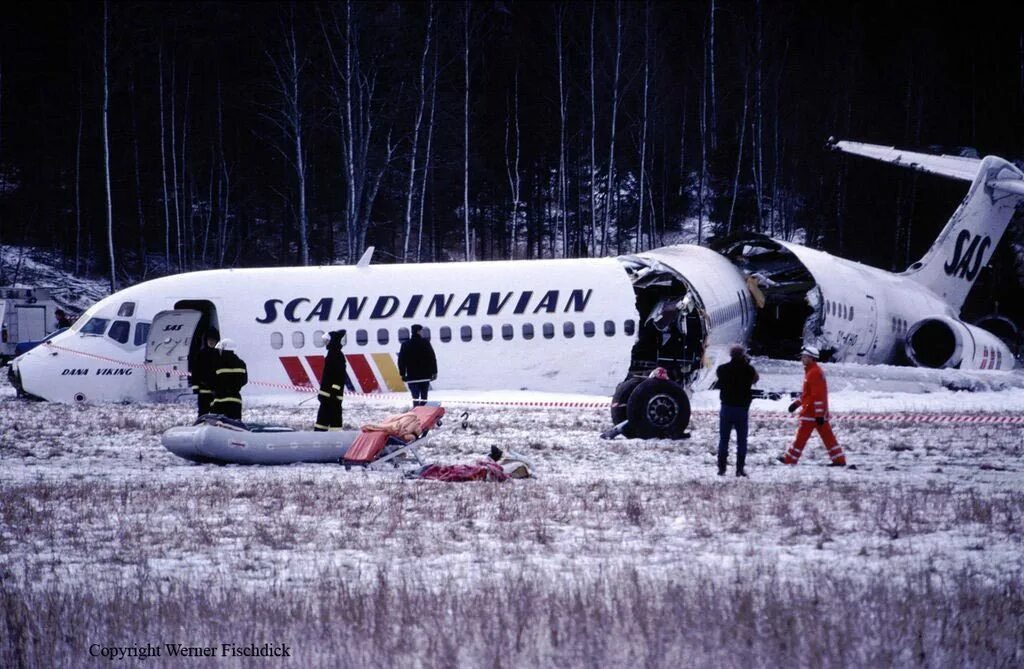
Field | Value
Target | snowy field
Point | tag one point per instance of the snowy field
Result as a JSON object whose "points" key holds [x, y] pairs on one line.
{"points": [[621, 553]]}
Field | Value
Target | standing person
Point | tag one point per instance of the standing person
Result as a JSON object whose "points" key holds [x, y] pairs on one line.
{"points": [[417, 365], [813, 405], [229, 376], [735, 379], [332, 383], [62, 320], [202, 369]]}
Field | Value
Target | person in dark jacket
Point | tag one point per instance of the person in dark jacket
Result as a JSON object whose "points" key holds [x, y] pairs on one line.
{"points": [[332, 383], [228, 378], [735, 379], [417, 365], [202, 367]]}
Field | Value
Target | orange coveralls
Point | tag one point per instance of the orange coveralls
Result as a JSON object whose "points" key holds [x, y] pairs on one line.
{"points": [[814, 405]]}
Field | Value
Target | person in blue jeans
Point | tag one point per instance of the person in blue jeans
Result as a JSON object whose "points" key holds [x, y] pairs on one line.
{"points": [[735, 380]]}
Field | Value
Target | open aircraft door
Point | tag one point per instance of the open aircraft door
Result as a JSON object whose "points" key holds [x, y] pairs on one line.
{"points": [[167, 349], [865, 345]]}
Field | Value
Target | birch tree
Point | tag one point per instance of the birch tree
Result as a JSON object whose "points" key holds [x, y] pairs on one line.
{"points": [[416, 133], [106, 145], [163, 162], [643, 122], [465, 128], [512, 164], [563, 187], [609, 193], [288, 118]]}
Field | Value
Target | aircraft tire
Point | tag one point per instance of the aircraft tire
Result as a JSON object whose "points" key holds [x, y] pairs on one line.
{"points": [[620, 398], [658, 409]]}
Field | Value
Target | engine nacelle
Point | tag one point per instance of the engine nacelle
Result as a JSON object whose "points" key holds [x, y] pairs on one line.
{"points": [[942, 342]]}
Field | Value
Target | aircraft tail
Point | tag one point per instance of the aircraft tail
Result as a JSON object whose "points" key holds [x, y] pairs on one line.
{"points": [[966, 244]]}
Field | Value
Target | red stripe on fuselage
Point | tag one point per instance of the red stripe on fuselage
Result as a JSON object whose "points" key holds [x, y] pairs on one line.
{"points": [[296, 373], [316, 363], [364, 374]]}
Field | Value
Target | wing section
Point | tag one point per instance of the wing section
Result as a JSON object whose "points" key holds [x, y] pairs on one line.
{"points": [[955, 167]]}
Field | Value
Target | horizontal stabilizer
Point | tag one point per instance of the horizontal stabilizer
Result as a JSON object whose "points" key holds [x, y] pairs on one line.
{"points": [[956, 167]]}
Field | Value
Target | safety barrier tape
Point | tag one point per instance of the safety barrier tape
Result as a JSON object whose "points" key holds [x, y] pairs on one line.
{"points": [[916, 417]]}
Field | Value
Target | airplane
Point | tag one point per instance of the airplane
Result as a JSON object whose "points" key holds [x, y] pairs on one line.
{"points": [[573, 325]]}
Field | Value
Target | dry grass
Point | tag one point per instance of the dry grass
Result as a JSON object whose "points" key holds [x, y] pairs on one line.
{"points": [[621, 554]]}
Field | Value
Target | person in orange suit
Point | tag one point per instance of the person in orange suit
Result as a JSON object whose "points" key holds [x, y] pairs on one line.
{"points": [[813, 405]]}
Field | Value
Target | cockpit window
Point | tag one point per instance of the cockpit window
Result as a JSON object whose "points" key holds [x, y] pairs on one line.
{"points": [[127, 309], [141, 333], [95, 326], [119, 331]]}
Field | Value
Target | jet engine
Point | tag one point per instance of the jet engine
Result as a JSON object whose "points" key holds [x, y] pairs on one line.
{"points": [[943, 341]]}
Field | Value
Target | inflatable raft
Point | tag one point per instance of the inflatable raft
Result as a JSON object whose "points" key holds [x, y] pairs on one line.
{"points": [[222, 440]]}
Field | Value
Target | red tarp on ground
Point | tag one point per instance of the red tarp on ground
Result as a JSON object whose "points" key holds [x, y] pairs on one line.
{"points": [[481, 471]]}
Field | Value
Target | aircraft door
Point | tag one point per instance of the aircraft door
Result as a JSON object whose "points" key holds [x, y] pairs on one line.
{"points": [[867, 341], [167, 349]]}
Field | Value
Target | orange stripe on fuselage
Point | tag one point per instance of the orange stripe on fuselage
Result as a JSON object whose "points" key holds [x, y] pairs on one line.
{"points": [[388, 369]]}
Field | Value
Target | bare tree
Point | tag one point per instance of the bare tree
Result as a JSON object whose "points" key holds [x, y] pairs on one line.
{"points": [[593, 135], [739, 155], [163, 163], [106, 146], [609, 194], [563, 93], [643, 117], [78, 175], [428, 157], [512, 165], [416, 133], [288, 118], [465, 127], [141, 217], [175, 191]]}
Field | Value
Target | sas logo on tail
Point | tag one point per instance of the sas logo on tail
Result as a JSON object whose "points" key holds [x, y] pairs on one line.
{"points": [[966, 262]]}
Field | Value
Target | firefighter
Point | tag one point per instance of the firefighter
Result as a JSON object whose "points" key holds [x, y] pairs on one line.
{"points": [[202, 367], [418, 365], [735, 379], [813, 405], [229, 376], [332, 383]]}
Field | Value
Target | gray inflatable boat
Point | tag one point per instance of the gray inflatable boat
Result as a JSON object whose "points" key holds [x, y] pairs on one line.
{"points": [[225, 441]]}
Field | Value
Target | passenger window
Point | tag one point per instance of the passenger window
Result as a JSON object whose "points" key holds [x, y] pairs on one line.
{"points": [[446, 334], [95, 326], [609, 328], [318, 339], [362, 337], [383, 337], [486, 332], [119, 331], [466, 333], [527, 331], [403, 335], [507, 332], [629, 327], [276, 340], [127, 309], [549, 330], [141, 333], [298, 339], [588, 328], [568, 330], [425, 333], [851, 313]]}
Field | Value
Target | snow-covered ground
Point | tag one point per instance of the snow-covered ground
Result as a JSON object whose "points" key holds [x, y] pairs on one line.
{"points": [[619, 552], [34, 268]]}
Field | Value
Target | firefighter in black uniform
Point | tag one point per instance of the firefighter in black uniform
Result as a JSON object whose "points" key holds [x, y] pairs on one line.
{"points": [[201, 371], [228, 378], [417, 365], [332, 383]]}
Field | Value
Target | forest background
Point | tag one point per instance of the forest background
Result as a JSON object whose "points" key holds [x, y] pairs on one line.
{"points": [[143, 138]]}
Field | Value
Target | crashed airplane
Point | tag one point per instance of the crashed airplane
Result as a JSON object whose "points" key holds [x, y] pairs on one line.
{"points": [[554, 325]]}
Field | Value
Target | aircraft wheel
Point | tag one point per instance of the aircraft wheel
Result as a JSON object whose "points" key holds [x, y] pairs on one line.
{"points": [[658, 409], [620, 401]]}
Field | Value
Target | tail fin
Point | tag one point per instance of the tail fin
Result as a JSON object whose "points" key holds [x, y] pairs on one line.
{"points": [[966, 244]]}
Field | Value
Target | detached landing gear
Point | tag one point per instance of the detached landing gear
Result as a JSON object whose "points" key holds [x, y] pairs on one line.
{"points": [[649, 408]]}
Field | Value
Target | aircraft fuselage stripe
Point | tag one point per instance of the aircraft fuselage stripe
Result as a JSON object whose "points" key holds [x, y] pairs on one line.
{"points": [[389, 370], [296, 374], [363, 373], [316, 363]]}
